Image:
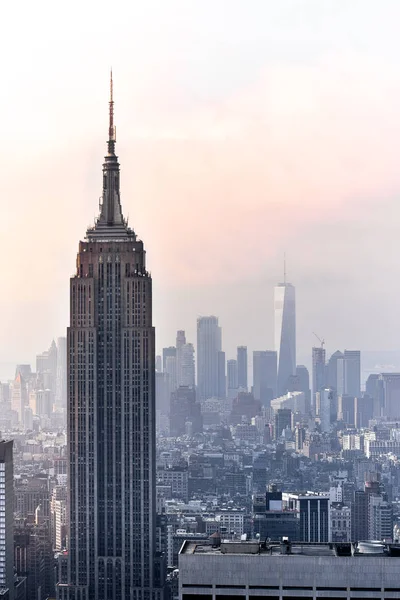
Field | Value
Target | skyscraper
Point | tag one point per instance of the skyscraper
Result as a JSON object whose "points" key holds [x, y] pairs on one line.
{"points": [[6, 520], [318, 371], [185, 371], [208, 346], [111, 409], [232, 378], [180, 342], [221, 375], [285, 333], [264, 375], [352, 372], [332, 371], [61, 374], [242, 367]]}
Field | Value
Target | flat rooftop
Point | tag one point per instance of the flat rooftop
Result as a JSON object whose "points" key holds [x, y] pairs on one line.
{"points": [[360, 549]]}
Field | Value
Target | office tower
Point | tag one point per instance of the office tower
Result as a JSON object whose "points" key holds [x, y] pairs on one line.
{"points": [[111, 408], [332, 370], [242, 367], [208, 346], [180, 342], [318, 371], [171, 371], [352, 372], [221, 375], [58, 511], [264, 375], [163, 394], [314, 514], [61, 374], [300, 382], [359, 516], [170, 351], [272, 521], [349, 373], [29, 558], [6, 520], [32, 504], [46, 368], [283, 420], [285, 333], [44, 403], [346, 409], [19, 396], [390, 383], [232, 378], [185, 370], [363, 410], [184, 410], [158, 364], [323, 408], [374, 389]]}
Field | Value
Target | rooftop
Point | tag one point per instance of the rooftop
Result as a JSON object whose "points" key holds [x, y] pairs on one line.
{"points": [[365, 548]]}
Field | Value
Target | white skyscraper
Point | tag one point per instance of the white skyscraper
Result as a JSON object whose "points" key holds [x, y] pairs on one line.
{"points": [[285, 333]]}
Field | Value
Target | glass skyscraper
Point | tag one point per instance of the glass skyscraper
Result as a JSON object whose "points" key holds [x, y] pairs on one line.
{"points": [[285, 333]]}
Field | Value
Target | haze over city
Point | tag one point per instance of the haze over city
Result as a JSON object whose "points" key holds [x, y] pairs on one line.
{"points": [[200, 368], [245, 130]]}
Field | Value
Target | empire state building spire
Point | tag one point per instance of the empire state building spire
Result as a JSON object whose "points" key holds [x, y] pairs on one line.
{"points": [[111, 130], [110, 223]]}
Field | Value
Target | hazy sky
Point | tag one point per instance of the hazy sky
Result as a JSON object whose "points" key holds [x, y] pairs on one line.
{"points": [[245, 128]]}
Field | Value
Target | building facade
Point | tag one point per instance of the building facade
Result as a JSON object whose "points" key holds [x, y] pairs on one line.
{"points": [[6, 520], [285, 334], [208, 346], [242, 367], [264, 375], [284, 571], [111, 409]]}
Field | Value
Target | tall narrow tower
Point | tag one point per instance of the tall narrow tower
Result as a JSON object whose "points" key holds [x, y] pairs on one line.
{"points": [[111, 408], [285, 332]]}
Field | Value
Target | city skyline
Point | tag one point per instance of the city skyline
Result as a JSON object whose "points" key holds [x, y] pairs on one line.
{"points": [[174, 415], [294, 147]]}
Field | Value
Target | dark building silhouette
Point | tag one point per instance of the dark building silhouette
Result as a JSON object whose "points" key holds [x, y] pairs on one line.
{"points": [[265, 375], [283, 420], [242, 367], [185, 410], [359, 516], [111, 409], [346, 409], [244, 408], [363, 410], [32, 552]]}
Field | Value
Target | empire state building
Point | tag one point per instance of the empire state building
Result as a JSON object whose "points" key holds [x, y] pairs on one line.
{"points": [[111, 409]]}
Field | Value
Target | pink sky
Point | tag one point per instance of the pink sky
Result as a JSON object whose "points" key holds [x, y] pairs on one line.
{"points": [[237, 143]]}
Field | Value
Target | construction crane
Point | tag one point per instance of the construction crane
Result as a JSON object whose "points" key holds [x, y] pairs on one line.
{"points": [[322, 342]]}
